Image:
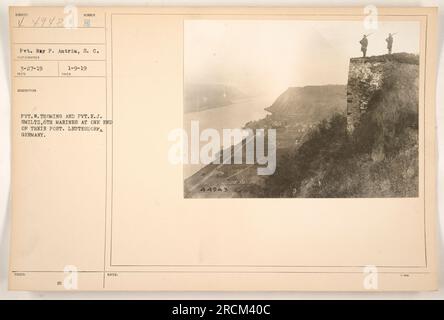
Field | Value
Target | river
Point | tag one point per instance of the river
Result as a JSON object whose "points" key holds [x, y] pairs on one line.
{"points": [[233, 116]]}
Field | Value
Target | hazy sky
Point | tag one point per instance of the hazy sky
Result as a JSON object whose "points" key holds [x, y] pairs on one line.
{"points": [[268, 56]]}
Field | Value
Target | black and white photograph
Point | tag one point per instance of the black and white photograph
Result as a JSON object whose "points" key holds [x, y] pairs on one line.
{"points": [[334, 103]]}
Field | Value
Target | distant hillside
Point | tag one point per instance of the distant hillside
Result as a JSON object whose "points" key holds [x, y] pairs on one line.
{"points": [[310, 103], [198, 97]]}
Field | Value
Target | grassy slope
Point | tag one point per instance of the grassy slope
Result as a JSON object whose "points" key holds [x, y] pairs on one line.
{"points": [[380, 159]]}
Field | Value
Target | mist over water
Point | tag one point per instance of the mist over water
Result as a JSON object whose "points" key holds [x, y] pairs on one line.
{"points": [[233, 116]]}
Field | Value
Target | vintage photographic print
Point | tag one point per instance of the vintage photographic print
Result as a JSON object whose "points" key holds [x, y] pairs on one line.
{"points": [[311, 132], [300, 109]]}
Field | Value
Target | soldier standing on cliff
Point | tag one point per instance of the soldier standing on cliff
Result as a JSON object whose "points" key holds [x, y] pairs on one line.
{"points": [[364, 44], [389, 41]]}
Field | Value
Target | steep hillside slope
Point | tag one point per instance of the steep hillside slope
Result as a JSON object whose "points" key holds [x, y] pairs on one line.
{"points": [[371, 152]]}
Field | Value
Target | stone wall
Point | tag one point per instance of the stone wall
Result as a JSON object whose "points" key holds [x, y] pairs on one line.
{"points": [[364, 78]]}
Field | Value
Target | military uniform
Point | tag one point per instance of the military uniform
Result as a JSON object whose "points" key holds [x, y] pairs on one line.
{"points": [[364, 44], [389, 43]]}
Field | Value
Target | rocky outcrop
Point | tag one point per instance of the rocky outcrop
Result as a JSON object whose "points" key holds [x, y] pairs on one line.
{"points": [[368, 76]]}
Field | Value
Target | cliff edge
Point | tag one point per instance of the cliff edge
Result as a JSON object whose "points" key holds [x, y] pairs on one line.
{"points": [[393, 76]]}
